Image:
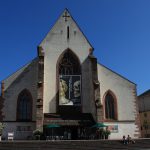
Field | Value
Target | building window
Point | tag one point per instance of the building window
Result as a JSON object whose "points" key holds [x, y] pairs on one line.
{"points": [[24, 128], [24, 106], [68, 82], [110, 107], [69, 64], [145, 115], [145, 125]]}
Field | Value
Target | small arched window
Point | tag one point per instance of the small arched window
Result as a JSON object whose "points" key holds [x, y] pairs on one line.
{"points": [[110, 107], [24, 106]]}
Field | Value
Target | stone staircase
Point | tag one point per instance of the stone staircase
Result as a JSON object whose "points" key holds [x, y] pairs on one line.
{"points": [[141, 144]]}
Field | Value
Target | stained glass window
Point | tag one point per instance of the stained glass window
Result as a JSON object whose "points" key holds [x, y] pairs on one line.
{"points": [[24, 108], [69, 64], [109, 107]]}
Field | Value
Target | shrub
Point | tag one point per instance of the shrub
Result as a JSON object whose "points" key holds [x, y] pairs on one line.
{"points": [[107, 133], [1, 128], [37, 134]]}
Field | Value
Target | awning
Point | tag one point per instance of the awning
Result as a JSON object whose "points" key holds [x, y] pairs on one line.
{"points": [[69, 119], [62, 122], [99, 125], [52, 126]]}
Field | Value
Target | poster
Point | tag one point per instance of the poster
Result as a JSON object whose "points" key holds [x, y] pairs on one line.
{"points": [[113, 128], [70, 90]]}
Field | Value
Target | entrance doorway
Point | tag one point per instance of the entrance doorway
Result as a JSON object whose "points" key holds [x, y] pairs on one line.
{"points": [[74, 132], [70, 132]]}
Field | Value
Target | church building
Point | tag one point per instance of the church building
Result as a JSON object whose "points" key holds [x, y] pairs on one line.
{"points": [[66, 86]]}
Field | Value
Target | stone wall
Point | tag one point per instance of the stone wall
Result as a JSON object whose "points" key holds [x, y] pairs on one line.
{"points": [[21, 130], [26, 78], [126, 108]]}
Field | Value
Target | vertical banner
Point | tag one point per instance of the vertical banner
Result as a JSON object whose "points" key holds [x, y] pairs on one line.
{"points": [[70, 90]]}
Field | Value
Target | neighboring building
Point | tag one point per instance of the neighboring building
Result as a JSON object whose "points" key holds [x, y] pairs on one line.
{"points": [[65, 85], [144, 109]]}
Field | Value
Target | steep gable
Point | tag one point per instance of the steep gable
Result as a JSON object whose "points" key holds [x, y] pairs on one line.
{"points": [[116, 74], [65, 34], [13, 77]]}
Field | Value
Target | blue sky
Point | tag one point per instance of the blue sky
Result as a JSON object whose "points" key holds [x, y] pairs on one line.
{"points": [[119, 31]]}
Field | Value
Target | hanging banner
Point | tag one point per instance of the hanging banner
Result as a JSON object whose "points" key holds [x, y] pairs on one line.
{"points": [[70, 90]]}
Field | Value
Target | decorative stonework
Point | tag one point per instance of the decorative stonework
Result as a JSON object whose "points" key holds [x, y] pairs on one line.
{"points": [[91, 51], [39, 103], [96, 89]]}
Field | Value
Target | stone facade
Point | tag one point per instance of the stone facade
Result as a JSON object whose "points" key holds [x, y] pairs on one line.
{"points": [[123, 91], [25, 78], [41, 78]]}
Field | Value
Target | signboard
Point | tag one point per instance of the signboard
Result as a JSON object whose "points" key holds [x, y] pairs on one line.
{"points": [[113, 128], [70, 90]]}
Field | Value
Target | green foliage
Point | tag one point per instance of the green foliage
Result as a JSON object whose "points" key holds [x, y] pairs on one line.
{"points": [[1, 128], [102, 131], [37, 132], [107, 132]]}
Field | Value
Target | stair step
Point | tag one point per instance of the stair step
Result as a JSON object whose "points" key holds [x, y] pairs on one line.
{"points": [[74, 145]]}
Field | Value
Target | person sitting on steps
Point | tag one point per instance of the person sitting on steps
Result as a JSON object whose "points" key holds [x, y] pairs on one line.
{"points": [[124, 140], [130, 140]]}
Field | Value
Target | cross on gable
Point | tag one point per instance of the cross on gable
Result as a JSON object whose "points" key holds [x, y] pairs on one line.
{"points": [[66, 16]]}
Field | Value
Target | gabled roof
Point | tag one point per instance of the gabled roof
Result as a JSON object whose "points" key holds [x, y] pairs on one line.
{"points": [[117, 74], [12, 77], [64, 17], [145, 93]]}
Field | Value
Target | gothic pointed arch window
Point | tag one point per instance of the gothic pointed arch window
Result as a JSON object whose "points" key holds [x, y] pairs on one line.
{"points": [[24, 106], [110, 106], [69, 79], [69, 64]]}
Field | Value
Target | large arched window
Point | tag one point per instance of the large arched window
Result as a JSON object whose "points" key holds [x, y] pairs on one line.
{"points": [[69, 80], [110, 106], [69, 64], [24, 106]]}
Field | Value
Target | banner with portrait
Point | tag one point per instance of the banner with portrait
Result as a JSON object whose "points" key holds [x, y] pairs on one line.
{"points": [[70, 90]]}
